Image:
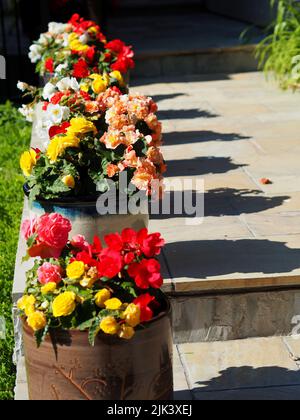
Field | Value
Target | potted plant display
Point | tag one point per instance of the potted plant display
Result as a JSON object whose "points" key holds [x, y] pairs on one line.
{"points": [[79, 48], [96, 324], [109, 144]]}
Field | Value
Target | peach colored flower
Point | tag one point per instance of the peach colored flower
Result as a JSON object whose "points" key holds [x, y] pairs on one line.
{"points": [[131, 159], [91, 107], [112, 170], [144, 175], [154, 154]]}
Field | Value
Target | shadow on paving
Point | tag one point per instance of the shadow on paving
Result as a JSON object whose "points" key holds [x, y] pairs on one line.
{"points": [[218, 202], [181, 114], [240, 383], [201, 166], [190, 137], [167, 96], [211, 258]]}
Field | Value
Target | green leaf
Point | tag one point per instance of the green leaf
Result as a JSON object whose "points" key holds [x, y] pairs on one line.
{"points": [[26, 258], [86, 325], [102, 186], [31, 240], [129, 287], [94, 330], [41, 335]]}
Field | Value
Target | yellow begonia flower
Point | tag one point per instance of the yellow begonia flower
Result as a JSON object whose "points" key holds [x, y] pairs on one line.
{"points": [[93, 30], [118, 76], [59, 144], [69, 181], [75, 270], [64, 304], [109, 325], [132, 315], [101, 297], [84, 87], [28, 162], [37, 321], [99, 84], [113, 304], [81, 126], [75, 44], [126, 332], [48, 288], [87, 282], [26, 304]]}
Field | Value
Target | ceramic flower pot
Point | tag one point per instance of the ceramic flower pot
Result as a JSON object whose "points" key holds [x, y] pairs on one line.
{"points": [[85, 218], [66, 367]]}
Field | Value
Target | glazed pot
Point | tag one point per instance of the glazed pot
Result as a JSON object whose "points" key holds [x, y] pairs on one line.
{"points": [[87, 221], [66, 367]]}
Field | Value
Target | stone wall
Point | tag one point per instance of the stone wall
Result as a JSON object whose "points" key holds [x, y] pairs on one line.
{"points": [[236, 316]]}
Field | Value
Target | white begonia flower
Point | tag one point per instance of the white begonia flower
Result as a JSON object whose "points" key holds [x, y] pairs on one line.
{"points": [[68, 83], [56, 28], [44, 40], [60, 68], [22, 86], [65, 40], [35, 53], [27, 112], [49, 91], [45, 305], [56, 114], [85, 38], [41, 131]]}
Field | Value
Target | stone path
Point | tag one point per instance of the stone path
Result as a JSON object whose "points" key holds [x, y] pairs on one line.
{"points": [[230, 132], [255, 369]]}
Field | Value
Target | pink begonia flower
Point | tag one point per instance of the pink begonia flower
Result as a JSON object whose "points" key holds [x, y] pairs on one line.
{"points": [[53, 230], [29, 228], [49, 273], [80, 242]]}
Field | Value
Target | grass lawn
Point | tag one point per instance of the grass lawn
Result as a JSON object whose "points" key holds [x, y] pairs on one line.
{"points": [[14, 138]]}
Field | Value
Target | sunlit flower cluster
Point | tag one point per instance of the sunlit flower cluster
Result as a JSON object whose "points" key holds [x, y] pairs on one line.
{"points": [[79, 48], [104, 136], [111, 289]]}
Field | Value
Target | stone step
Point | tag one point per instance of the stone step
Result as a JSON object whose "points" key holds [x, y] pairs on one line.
{"points": [[203, 61], [189, 42], [213, 317]]}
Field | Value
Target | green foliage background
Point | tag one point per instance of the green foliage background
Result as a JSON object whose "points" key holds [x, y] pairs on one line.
{"points": [[14, 138], [279, 52]]}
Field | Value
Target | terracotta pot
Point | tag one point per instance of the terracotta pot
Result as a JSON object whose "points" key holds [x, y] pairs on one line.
{"points": [[66, 367], [87, 221]]}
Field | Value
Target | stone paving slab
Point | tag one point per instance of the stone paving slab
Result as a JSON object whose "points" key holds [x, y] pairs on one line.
{"points": [[231, 131], [244, 369]]}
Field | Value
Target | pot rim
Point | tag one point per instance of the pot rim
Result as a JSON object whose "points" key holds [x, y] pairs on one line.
{"points": [[154, 320], [88, 199], [63, 200]]}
